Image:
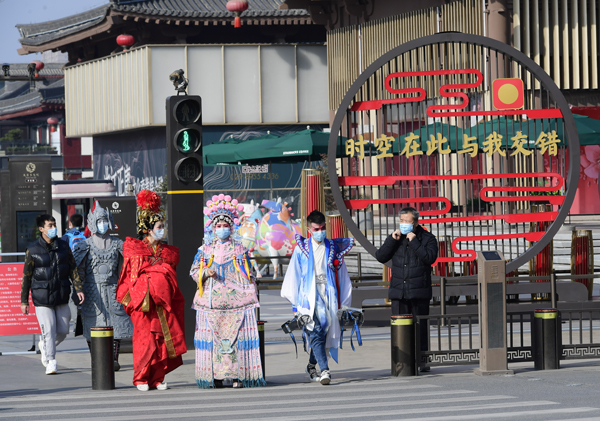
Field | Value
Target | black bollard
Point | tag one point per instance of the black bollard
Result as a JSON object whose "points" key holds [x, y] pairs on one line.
{"points": [[403, 345], [261, 340], [103, 369], [546, 339]]}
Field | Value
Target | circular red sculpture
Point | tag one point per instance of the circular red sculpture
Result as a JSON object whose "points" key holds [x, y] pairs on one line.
{"points": [[125, 40], [237, 7]]}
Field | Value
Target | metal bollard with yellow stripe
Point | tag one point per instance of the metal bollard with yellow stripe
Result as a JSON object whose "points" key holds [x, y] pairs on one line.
{"points": [[103, 369], [546, 339], [403, 345]]}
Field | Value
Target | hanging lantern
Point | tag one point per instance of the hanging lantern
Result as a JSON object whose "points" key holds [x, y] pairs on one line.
{"points": [[125, 40], [52, 122], [38, 66], [237, 7]]}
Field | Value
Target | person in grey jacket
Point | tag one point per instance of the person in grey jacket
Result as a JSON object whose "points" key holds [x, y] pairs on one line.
{"points": [[412, 251]]}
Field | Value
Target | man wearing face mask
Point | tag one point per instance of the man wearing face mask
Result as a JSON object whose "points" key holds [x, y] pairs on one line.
{"points": [[99, 260], [412, 250], [317, 285], [49, 264]]}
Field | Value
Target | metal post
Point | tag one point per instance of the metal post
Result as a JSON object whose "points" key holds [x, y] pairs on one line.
{"points": [[546, 341], [553, 288], [103, 368], [261, 340], [443, 299], [403, 345], [358, 260]]}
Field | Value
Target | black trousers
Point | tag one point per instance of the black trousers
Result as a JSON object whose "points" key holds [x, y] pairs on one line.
{"points": [[416, 307]]}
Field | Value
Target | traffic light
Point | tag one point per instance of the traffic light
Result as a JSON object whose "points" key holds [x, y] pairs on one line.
{"points": [[185, 198], [184, 142]]}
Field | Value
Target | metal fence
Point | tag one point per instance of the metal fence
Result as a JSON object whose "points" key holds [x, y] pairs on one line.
{"points": [[454, 339]]}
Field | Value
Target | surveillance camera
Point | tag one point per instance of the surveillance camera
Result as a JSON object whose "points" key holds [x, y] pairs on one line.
{"points": [[176, 75], [31, 69], [6, 69]]}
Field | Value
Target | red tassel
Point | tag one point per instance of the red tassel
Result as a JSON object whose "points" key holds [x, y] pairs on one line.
{"points": [[238, 22]]}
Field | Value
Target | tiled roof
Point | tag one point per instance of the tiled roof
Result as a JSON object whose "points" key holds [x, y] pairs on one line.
{"points": [[203, 8], [49, 70], [41, 33], [53, 94]]}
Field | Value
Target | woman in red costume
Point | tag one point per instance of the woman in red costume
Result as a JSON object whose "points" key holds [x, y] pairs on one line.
{"points": [[148, 289]]}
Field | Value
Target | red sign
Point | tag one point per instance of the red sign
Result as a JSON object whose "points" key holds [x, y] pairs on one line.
{"points": [[12, 320], [508, 94]]}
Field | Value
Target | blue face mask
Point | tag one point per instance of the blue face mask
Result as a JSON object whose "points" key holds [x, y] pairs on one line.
{"points": [[406, 228], [158, 234], [319, 236], [223, 233], [52, 233], [102, 227]]}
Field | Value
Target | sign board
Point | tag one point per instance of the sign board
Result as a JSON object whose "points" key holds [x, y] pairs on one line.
{"points": [[467, 130], [26, 193], [123, 210], [12, 320]]}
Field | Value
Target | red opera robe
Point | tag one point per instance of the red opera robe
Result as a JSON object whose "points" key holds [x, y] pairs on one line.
{"points": [[148, 289]]}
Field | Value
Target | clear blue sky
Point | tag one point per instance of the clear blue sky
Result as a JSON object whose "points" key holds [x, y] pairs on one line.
{"points": [[13, 12]]}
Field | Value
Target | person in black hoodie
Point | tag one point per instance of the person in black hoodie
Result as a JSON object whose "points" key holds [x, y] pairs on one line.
{"points": [[412, 250], [49, 264]]}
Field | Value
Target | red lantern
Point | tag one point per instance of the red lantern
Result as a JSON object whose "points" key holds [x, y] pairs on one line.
{"points": [[125, 40], [52, 122], [38, 66], [237, 7]]}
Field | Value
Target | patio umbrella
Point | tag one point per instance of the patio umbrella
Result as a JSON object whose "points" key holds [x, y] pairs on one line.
{"points": [[224, 152], [293, 147]]}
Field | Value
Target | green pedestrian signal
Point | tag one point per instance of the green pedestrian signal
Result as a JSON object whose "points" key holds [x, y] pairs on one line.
{"points": [[184, 142]]}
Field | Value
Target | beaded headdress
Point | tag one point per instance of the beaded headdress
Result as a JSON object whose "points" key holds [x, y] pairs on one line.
{"points": [[222, 208], [149, 211]]}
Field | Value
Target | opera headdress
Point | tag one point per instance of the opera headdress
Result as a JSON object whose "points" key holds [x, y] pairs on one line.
{"points": [[149, 211]]}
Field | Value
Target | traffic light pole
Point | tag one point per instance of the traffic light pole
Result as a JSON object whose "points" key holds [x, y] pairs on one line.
{"points": [[185, 202]]}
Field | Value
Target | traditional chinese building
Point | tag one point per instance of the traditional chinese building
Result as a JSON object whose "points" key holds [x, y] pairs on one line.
{"points": [[270, 75]]}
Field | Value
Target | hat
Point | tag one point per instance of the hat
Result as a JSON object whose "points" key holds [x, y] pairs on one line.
{"points": [[148, 211], [222, 208]]}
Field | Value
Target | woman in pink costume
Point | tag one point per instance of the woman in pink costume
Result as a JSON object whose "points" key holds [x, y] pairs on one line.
{"points": [[226, 339]]}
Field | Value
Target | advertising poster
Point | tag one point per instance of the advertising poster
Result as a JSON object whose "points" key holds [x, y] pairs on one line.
{"points": [[12, 321]]}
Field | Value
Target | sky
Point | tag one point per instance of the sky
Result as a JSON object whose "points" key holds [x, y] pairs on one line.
{"points": [[14, 12]]}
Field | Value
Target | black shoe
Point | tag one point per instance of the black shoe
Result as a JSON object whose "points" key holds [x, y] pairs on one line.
{"points": [[311, 370], [425, 369], [117, 366]]}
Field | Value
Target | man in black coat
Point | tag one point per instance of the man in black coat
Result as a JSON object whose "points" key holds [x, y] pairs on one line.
{"points": [[48, 272], [412, 250]]}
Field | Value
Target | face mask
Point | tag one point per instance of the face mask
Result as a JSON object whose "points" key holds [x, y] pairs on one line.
{"points": [[319, 236], [223, 233], [406, 228], [52, 232], [158, 234], [102, 227]]}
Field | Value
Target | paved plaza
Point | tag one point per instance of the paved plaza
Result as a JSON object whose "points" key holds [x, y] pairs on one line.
{"points": [[362, 387]]}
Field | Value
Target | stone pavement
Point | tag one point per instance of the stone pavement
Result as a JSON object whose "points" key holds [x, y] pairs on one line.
{"points": [[361, 387]]}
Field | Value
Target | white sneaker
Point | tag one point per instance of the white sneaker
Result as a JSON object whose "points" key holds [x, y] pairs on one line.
{"points": [[325, 377], [143, 387], [43, 352], [162, 386], [51, 367]]}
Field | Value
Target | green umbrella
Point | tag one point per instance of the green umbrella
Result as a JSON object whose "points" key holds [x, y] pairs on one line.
{"points": [[224, 152], [293, 147]]}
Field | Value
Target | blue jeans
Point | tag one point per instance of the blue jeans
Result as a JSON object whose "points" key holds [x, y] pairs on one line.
{"points": [[317, 339]]}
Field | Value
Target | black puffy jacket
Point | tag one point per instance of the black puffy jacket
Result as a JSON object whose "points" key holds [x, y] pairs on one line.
{"points": [[411, 264], [50, 284]]}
